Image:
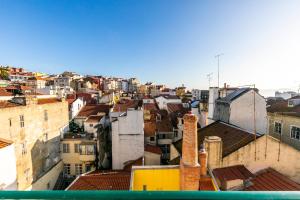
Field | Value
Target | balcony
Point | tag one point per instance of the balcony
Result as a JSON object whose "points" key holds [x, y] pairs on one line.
{"points": [[111, 195]]}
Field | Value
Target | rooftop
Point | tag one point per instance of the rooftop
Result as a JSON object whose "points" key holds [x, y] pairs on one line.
{"points": [[110, 180], [281, 107], [232, 137], [153, 149], [94, 118], [93, 109], [4, 143], [48, 100], [124, 104]]}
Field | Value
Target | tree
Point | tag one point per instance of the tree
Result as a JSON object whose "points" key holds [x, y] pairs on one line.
{"points": [[4, 73], [104, 144]]}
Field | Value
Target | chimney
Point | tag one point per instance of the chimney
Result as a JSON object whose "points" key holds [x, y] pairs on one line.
{"points": [[189, 166], [203, 162], [213, 146]]}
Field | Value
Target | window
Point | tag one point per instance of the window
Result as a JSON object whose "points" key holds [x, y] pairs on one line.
{"points": [[91, 125], [9, 120], [45, 115], [66, 148], [24, 149], [277, 127], [76, 147], [152, 139], [295, 132], [67, 169], [22, 121], [87, 149], [87, 168], [78, 169]]}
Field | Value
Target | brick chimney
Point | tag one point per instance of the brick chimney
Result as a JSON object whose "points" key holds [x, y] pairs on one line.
{"points": [[203, 162], [189, 166]]}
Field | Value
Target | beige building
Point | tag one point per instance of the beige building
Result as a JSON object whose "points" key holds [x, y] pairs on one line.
{"points": [[284, 121], [78, 154], [34, 126]]}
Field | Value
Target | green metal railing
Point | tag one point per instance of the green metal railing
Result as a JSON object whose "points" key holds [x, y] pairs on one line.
{"points": [[130, 195]]}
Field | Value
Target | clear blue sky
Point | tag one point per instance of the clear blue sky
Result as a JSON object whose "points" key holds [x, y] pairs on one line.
{"points": [[165, 41]]}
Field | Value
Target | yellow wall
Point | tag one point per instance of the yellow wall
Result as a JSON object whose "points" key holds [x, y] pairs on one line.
{"points": [[156, 179]]}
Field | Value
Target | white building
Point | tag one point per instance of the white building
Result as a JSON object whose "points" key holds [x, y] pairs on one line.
{"points": [[127, 138], [241, 108], [286, 95], [162, 101], [8, 171], [56, 90], [75, 106], [124, 85]]}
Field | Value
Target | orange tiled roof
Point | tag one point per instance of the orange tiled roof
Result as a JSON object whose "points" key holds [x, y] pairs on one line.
{"points": [[4, 143], [111, 180], [271, 180], [232, 173], [93, 109], [206, 184], [3, 92], [153, 149], [7, 104], [124, 104], [149, 128], [48, 100]]}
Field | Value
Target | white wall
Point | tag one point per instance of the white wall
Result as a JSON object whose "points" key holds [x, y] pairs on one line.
{"points": [[8, 171], [242, 112], [162, 102], [127, 138], [76, 107], [213, 95]]}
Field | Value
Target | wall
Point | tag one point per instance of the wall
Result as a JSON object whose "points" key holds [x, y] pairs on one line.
{"points": [[165, 178], [73, 158], [37, 143], [151, 158], [47, 181], [127, 138], [269, 153], [8, 171], [242, 109], [213, 95], [162, 102], [76, 107], [286, 123]]}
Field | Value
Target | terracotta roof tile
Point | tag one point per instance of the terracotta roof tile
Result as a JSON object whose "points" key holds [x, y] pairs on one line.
{"points": [[7, 104], [93, 109], [150, 106], [3, 92], [232, 173], [4, 143], [149, 128], [111, 180], [281, 107], [271, 180], [206, 184], [48, 100], [153, 149], [124, 104]]}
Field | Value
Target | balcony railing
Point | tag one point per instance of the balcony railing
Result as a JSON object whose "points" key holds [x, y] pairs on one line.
{"points": [[120, 195]]}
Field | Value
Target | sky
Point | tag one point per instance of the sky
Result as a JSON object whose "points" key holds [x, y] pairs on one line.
{"points": [[170, 42]]}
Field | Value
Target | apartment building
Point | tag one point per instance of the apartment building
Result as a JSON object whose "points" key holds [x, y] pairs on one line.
{"points": [[34, 126]]}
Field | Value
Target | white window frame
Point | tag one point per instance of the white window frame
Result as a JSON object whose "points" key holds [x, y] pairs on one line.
{"points": [[291, 126], [281, 126]]}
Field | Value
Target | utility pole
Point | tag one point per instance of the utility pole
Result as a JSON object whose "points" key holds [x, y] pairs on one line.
{"points": [[209, 77], [218, 57]]}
